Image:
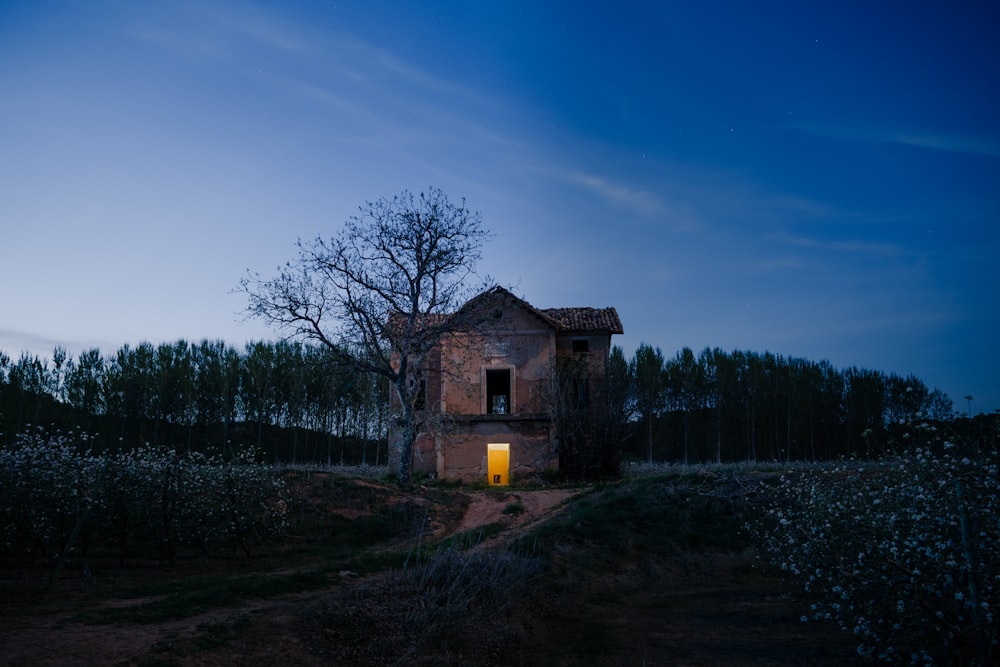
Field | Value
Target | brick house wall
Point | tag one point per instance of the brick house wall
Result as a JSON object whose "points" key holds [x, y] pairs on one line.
{"points": [[488, 387]]}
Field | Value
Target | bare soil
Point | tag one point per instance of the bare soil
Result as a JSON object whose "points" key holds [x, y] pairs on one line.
{"points": [[691, 610]]}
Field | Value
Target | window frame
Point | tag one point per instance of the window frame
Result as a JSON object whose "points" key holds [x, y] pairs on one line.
{"points": [[485, 406]]}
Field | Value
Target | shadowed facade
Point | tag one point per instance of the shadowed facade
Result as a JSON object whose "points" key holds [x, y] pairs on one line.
{"points": [[486, 392]]}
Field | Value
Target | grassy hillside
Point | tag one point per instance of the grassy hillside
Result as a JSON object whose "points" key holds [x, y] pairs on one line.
{"points": [[654, 570]]}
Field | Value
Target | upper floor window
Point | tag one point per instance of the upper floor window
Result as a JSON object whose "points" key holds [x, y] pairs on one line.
{"points": [[581, 345], [498, 394]]}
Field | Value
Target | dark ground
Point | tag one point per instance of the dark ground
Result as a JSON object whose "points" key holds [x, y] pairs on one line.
{"points": [[693, 609]]}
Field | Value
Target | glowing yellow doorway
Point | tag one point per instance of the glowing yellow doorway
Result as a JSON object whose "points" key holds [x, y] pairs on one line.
{"points": [[498, 464]]}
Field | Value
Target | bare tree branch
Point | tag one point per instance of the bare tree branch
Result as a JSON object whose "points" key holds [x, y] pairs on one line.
{"points": [[380, 292]]}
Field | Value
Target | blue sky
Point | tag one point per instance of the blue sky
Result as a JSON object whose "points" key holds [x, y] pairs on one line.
{"points": [[818, 180]]}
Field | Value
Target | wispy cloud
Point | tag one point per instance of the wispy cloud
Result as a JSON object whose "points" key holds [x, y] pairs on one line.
{"points": [[951, 143], [787, 253], [642, 202], [264, 28], [851, 246], [216, 31], [937, 141], [14, 343]]}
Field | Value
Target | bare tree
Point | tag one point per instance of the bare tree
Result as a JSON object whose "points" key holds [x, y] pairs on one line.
{"points": [[378, 294]]}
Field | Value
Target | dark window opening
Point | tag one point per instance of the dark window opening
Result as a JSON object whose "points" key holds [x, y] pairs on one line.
{"points": [[421, 400], [581, 345], [498, 391]]}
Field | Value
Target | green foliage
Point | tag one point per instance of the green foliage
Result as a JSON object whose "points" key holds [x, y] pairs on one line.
{"points": [[514, 509], [653, 517], [590, 412], [293, 402], [904, 554], [56, 497], [720, 406], [386, 523], [649, 389]]}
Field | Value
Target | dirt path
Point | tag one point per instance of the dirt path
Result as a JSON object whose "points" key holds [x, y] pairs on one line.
{"points": [[515, 510], [726, 613], [51, 635]]}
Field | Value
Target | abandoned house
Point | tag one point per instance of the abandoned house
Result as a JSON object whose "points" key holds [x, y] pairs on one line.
{"points": [[485, 399]]}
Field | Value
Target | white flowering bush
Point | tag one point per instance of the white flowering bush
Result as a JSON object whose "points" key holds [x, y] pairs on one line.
{"points": [[55, 494], [45, 485], [904, 554]]}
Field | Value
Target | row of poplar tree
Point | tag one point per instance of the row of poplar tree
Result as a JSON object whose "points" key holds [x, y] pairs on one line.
{"points": [[720, 406], [292, 402], [295, 403]]}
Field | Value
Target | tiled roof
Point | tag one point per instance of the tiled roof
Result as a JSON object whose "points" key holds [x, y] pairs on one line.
{"points": [[563, 319], [586, 319]]}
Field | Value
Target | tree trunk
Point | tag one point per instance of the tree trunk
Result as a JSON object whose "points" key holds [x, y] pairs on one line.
{"points": [[409, 434], [406, 456], [718, 431], [686, 431], [649, 435]]}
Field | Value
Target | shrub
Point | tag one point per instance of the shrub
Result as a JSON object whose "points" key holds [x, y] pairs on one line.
{"points": [[45, 485], [905, 554], [56, 496], [451, 608]]}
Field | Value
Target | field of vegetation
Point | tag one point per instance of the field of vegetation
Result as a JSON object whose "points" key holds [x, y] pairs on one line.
{"points": [[151, 557]]}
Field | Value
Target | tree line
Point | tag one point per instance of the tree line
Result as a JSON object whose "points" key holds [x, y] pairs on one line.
{"points": [[293, 402], [720, 406]]}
